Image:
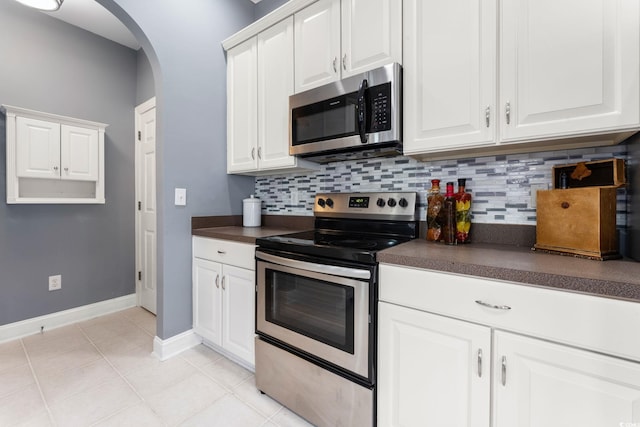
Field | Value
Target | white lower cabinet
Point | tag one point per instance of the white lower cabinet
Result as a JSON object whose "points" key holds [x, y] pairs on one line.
{"points": [[494, 368], [542, 384], [433, 370], [224, 297]]}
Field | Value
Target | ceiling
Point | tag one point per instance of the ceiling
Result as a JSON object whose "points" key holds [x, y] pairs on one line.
{"points": [[91, 16]]}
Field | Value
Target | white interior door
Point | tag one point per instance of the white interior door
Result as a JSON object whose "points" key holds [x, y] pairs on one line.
{"points": [[146, 235]]}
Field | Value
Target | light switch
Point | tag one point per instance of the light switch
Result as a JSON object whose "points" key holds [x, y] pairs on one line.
{"points": [[181, 197]]}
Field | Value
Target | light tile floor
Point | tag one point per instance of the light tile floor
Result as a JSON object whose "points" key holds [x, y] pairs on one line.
{"points": [[101, 373]]}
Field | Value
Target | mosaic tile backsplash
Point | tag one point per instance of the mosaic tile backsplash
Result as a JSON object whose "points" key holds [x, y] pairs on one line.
{"points": [[500, 185]]}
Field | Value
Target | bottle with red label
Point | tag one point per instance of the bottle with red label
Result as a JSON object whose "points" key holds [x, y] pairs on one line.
{"points": [[463, 212]]}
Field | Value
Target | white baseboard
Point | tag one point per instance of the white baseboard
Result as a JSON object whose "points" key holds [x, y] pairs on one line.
{"points": [[32, 326], [166, 349]]}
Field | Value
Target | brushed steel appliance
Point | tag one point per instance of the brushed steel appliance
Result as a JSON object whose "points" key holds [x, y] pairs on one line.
{"points": [[316, 313], [360, 116]]}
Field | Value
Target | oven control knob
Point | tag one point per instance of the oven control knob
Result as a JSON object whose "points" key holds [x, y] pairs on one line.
{"points": [[321, 203], [403, 203], [381, 203], [391, 202], [330, 203]]}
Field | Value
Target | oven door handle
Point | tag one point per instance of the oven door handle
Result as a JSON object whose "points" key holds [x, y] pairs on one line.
{"points": [[352, 273]]}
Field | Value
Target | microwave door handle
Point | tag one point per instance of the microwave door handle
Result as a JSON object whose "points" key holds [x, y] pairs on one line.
{"points": [[362, 111]]}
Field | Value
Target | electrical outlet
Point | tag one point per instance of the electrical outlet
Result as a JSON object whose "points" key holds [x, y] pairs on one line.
{"points": [[55, 282], [294, 197], [534, 193]]}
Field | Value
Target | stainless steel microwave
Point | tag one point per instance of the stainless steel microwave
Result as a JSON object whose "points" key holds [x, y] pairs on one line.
{"points": [[360, 116]]}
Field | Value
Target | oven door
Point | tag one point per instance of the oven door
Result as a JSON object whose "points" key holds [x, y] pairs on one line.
{"points": [[320, 309]]}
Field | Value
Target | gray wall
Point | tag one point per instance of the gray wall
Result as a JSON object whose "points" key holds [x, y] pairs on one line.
{"points": [[182, 41], [145, 84], [266, 6], [50, 66]]}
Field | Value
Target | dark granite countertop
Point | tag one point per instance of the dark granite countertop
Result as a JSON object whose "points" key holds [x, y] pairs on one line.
{"points": [[618, 279], [239, 233], [230, 227]]}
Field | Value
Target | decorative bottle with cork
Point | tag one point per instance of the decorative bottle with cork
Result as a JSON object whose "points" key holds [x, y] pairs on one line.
{"points": [[449, 210], [435, 218], [463, 212]]}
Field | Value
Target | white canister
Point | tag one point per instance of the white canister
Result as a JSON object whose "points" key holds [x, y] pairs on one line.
{"points": [[251, 212]]}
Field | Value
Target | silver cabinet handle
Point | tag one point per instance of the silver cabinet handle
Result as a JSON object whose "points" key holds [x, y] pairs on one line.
{"points": [[487, 115], [223, 282], [504, 370], [253, 153], [497, 307], [217, 278], [260, 152], [55, 168], [344, 62], [508, 112], [335, 68], [479, 363], [222, 252]]}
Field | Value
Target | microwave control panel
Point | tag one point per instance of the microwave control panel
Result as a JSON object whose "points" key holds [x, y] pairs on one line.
{"points": [[380, 97]]}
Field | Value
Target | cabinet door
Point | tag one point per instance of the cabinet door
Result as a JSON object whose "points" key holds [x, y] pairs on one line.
{"points": [[79, 153], [371, 34], [242, 110], [275, 85], [551, 385], [568, 67], [433, 371], [238, 290], [317, 44], [207, 300], [449, 74], [38, 148]]}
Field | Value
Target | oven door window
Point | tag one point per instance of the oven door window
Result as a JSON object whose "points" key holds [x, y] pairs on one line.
{"points": [[323, 311]]}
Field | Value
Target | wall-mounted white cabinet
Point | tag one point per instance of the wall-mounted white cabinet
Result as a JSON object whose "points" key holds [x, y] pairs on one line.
{"points": [[335, 39], [53, 159], [562, 82], [259, 82]]}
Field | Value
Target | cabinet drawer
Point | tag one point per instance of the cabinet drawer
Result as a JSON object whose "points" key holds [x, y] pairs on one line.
{"points": [[225, 251], [597, 323]]}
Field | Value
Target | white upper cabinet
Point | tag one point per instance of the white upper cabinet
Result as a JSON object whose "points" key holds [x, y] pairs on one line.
{"points": [[242, 112], [37, 148], [568, 67], [336, 39], [449, 74], [371, 34], [317, 45], [79, 153], [567, 75], [275, 85], [259, 83], [53, 159]]}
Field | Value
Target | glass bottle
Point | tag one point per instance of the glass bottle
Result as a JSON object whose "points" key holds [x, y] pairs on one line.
{"points": [[463, 212], [435, 200], [449, 209]]}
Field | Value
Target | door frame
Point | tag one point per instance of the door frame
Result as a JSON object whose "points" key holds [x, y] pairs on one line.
{"points": [[139, 111]]}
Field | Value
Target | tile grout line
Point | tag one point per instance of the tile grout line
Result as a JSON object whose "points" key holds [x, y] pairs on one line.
{"points": [[120, 374], [35, 378]]}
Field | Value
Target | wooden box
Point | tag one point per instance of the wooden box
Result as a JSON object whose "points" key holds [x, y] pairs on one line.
{"points": [[580, 221], [610, 172]]}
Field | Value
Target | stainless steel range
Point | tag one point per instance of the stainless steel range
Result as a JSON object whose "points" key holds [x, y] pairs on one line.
{"points": [[316, 306]]}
